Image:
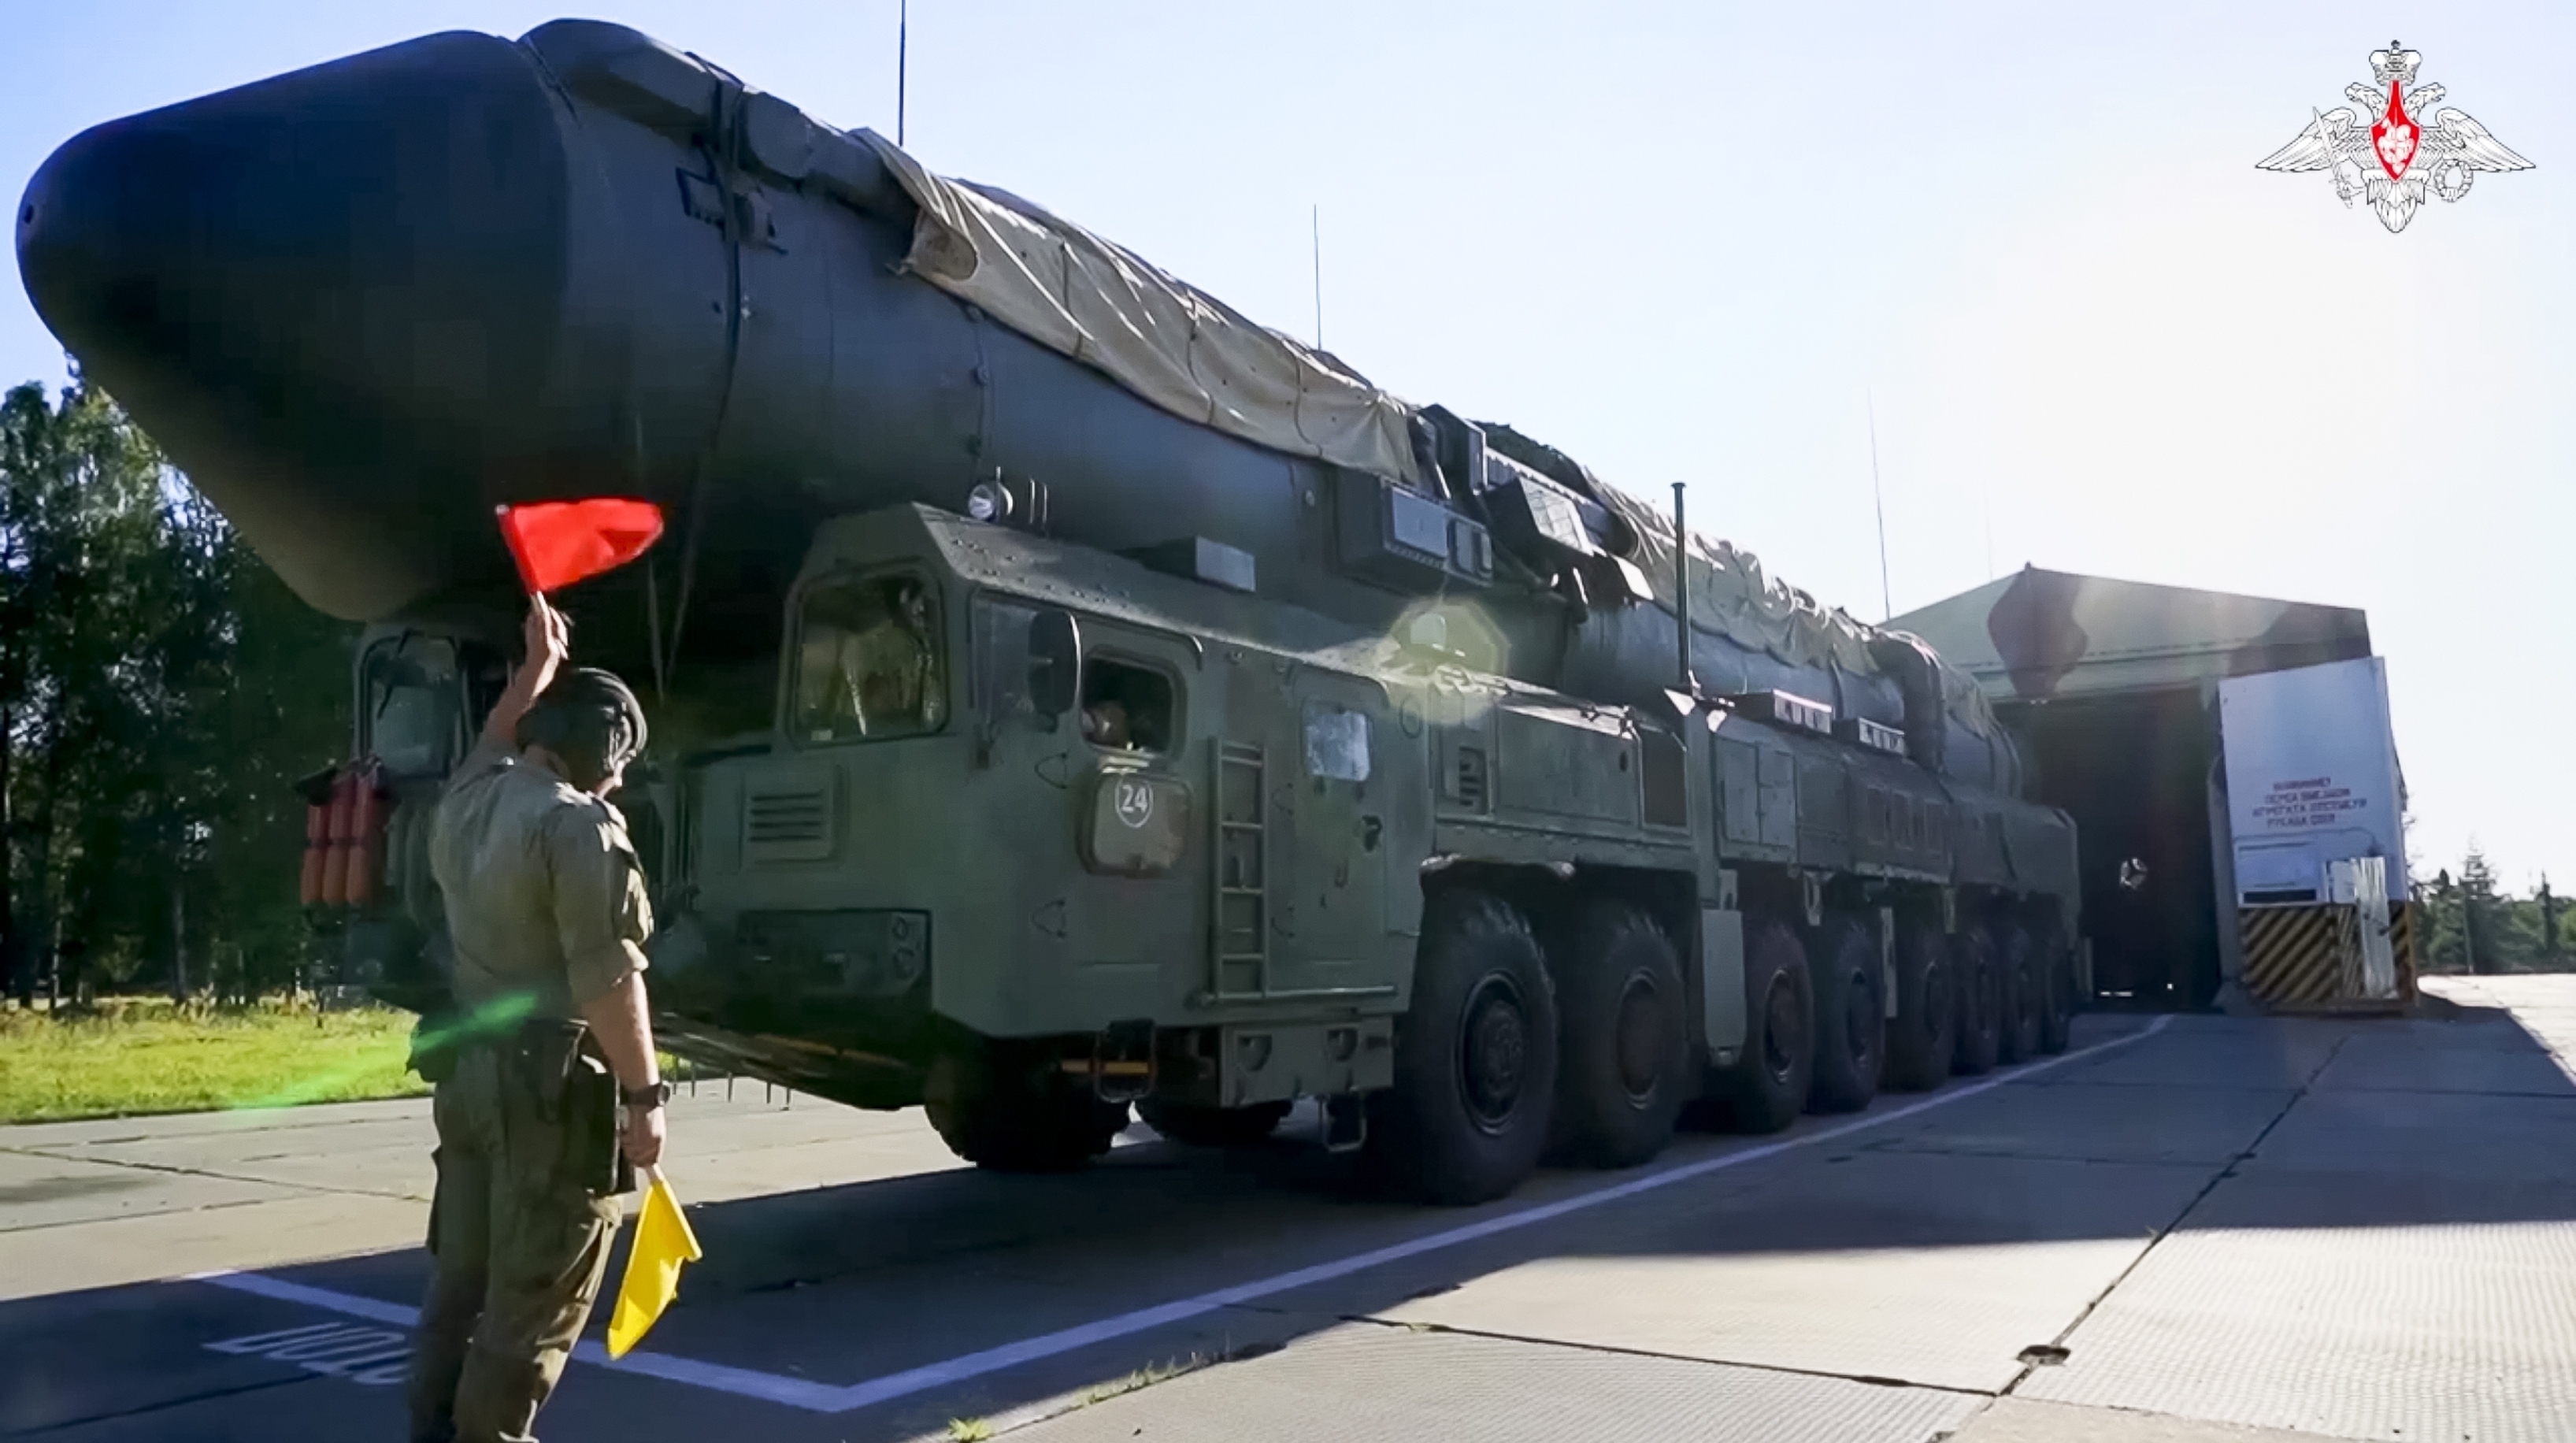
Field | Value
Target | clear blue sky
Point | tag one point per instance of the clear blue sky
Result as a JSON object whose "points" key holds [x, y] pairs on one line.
{"points": [[1687, 241]]}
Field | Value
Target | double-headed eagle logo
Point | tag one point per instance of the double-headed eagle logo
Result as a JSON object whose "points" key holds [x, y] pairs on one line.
{"points": [[2411, 160]]}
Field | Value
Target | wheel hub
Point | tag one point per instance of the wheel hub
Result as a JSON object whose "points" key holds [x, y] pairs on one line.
{"points": [[1860, 1005], [1641, 1052], [1779, 1030], [1496, 1052]]}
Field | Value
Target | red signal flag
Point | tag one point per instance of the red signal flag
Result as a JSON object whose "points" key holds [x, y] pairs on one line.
{"points": [[557, 543]]}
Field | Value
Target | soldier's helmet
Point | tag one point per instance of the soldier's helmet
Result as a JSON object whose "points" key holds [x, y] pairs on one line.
{"points": [[590, 719]]}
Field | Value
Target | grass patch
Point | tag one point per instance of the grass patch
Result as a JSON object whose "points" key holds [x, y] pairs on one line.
{"points": [[1145, 1377], [140, 1055]]}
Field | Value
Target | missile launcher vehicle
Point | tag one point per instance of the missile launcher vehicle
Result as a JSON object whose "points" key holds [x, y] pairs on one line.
{"points": [[1069, 696]]}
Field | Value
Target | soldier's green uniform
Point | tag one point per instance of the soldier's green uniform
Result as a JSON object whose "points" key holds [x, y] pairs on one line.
{"points": [[545, 908]]}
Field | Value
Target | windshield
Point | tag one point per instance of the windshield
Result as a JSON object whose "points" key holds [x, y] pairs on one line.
{"points": [[414, 721], [869, 663]]}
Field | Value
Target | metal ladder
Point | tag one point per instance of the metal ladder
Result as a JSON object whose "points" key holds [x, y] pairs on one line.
{"points": [[1241, 917], [1240, 876]]}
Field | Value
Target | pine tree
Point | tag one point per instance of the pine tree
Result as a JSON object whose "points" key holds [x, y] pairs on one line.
{"points": [[159, 689], [2482, 914]]}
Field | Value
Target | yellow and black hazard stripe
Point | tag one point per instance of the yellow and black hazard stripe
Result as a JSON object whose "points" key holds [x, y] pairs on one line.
{"points": [[2401, 941], [2296, 957], [2293, 955]]}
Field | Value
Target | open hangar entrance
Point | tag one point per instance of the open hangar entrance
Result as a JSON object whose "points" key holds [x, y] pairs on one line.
{"points": [[2114, 688]]}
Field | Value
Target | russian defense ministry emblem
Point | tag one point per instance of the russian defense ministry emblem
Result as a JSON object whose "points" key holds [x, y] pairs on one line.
{"points": [[2409, 149]]}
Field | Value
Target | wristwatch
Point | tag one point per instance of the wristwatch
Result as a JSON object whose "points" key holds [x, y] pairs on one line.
{"points": [[645, 1099]]}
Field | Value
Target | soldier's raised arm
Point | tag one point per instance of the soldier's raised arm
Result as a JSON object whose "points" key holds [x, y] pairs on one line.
{"points": [[548, 638]]}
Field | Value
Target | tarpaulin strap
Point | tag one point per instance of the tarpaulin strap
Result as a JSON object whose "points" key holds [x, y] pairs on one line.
{"points": [[724, 157], [572, 111]]}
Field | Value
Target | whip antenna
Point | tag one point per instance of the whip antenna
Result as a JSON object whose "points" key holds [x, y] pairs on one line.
{"points": [[1886, 599], [1315, 225]]}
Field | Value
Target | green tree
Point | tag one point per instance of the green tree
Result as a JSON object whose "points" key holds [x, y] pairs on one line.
{"points": [[159, 689], [81, 512], [2470, 920], [2481, 913], [281, 712]]}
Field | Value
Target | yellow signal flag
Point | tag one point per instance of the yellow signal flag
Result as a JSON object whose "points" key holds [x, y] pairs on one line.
{"points": [[662, 1243]]}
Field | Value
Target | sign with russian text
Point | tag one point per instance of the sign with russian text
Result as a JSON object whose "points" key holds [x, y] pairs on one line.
{"points": [[2312, 778]]}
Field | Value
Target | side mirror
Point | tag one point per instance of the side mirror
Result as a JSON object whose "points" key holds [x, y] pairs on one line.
{"points": [[1055, 662]]}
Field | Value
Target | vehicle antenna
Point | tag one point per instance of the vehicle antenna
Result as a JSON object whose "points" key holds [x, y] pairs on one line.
{"points": [[1886, 599], [902, 47], [1315, 224], [1681, 595]]}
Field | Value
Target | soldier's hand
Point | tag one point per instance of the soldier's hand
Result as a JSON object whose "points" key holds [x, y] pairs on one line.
{"points": [[548, 638], [642, 1138]]}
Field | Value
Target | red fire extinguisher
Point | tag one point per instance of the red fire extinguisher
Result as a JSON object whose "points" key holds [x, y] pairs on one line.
{"points": [[317, 847], [345, 826], [369, 810], [342, 827]]}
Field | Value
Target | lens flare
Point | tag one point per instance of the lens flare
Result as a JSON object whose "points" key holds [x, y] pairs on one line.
{"points": [[497, 1016]]}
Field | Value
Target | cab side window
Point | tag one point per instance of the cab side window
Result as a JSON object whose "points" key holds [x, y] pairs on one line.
{"points": [[1127, 707], [415, 721]]}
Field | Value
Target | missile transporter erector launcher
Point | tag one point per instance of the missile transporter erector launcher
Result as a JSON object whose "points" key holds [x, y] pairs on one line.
{"points": [[1069, 695]]}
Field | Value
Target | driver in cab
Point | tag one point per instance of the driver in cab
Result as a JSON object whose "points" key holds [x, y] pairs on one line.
{"points": [[874, 648]]}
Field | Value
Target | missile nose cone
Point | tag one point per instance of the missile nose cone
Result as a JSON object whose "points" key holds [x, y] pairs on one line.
{"points": [[95, 241], [333, 296], [374, 233]]}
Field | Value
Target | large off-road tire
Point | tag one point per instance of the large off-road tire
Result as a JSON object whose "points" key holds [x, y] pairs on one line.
{"points": [[2017, 984], [1623, 1055], [2057, 995], [1972, 959], [1193, 1126], [1851, 1017], [1004, 1107], [1767, 1088], [1925, 1035], [1475, 1059]]}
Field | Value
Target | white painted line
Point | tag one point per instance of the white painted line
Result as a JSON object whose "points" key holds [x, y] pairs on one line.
{"points": [[1046, 1345], [285, 1292], [826, 1398], [741, 1382], [716, 1377]]}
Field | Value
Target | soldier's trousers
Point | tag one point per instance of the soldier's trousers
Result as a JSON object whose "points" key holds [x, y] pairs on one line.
{"points": [[519, 1251]]}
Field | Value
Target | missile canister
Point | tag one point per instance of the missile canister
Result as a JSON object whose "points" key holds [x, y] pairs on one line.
{"points": [[364, 303]]}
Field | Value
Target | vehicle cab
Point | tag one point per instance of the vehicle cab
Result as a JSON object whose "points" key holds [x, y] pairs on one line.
{"points": [[1023, 790]]}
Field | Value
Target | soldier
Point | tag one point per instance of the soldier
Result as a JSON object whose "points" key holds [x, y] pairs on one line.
{"points": [[1104, 723], [547, 919], [889, 668]]}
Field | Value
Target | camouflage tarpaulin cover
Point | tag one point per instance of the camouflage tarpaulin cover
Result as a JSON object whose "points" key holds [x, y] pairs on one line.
{"points": [[1174, 345], [1159, 336]]}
